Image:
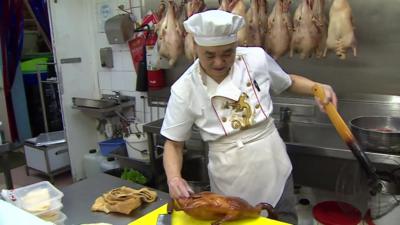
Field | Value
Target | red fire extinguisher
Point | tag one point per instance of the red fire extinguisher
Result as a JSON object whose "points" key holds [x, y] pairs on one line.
{"points": [[155, 76]]}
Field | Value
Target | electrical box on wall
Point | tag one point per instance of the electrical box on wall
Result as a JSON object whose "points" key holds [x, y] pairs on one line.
{"points": [[106, 57], [119, 29]]}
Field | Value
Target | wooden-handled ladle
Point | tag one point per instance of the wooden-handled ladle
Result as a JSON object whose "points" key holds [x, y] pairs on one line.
{"points": [[374, 182]]}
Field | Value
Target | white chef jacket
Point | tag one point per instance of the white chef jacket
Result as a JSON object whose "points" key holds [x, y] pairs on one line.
{"points": [[254, 73]]}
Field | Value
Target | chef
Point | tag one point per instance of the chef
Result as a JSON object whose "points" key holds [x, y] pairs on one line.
{"points": [[226, 94]]}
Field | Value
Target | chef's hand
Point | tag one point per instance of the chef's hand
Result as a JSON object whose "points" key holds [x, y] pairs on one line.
{"points": [[330, 96], [179, 188]]}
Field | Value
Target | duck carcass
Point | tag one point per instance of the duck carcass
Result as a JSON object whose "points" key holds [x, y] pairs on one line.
{"points": [[280, 29], [340, 30], [256, 19], [262, 14], [170, 34], [211, 206], [192, 7], [239, 8], [306, 36], [322, 25]]}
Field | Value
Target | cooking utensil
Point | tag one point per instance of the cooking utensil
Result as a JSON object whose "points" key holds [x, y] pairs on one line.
{"points": [[377, 133], [165, 219], [181, 218], [347, 136], [377, 182]]}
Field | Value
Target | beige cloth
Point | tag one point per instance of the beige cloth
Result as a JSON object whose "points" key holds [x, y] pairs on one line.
{"points": [[123, 200]]}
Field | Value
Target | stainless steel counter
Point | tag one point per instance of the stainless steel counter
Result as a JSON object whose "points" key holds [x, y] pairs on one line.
{"points": [[79, 197]]}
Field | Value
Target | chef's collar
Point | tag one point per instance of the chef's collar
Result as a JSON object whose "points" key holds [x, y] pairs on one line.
{"points": [[226, 88]]}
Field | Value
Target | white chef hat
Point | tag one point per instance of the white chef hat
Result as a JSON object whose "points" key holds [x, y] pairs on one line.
{"points": [[214, 27]]}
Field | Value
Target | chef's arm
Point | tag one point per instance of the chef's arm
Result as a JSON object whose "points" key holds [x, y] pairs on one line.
{"points": [[303, 86], [173, 154], [172, 159]]}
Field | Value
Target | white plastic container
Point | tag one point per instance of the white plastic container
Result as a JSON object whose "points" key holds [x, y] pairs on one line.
{"points": [[91, 163], [137, 147], [52, 214], [61, 219], [304, 212], [38, 197], [109, 164]]}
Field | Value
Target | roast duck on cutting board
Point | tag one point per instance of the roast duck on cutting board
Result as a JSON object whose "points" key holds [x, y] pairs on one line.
{"points": [[211, 206], [170, 34], [340, 30]]}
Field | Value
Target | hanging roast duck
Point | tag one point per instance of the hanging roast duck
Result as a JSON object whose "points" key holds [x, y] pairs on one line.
{"points": [[211, 206]]}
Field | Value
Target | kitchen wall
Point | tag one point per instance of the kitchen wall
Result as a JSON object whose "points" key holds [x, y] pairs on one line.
{"points": [[73, 36], [122, 77], [77, 29]]}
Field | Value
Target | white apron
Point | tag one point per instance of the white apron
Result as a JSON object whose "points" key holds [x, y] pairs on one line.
{"points": [[252, 164]]}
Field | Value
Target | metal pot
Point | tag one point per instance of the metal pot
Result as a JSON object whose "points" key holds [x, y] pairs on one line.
{"points": [[377, 133]]}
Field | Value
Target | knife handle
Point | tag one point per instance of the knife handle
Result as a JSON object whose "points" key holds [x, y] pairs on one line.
{"points": [[170, 206]]}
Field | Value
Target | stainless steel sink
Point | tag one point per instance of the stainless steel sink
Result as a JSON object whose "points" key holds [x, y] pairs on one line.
{"points": [[323, 140], [320, 135], [105, 107], [97, 103], [93, 103]]}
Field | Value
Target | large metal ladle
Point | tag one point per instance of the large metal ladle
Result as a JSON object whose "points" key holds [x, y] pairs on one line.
{"points": [[375, 183]]}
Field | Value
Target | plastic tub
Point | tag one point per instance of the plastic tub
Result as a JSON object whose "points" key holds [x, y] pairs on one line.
{"points": [[38, 197], [52, 214], [61, 219], [106, 147], [137, 147], [108, 164]]}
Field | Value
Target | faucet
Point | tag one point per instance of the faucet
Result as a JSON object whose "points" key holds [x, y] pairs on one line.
{"points": [[284, 114], [116, 97], [284, 119]]}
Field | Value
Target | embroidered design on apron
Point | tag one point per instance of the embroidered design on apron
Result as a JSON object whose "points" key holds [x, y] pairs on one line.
{"points": [[242, 115]]}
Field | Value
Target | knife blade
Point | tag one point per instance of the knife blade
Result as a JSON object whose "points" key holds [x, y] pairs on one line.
{"points": [[164, 219]]}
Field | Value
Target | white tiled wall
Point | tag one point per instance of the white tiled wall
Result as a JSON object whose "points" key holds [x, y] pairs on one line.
{"points": [[122, 77]]}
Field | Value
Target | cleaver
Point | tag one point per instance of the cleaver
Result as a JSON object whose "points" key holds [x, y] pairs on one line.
{"points": [[166, 219]]}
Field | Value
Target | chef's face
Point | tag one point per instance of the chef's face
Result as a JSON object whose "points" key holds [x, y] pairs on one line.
{"points": [[216, 61]]}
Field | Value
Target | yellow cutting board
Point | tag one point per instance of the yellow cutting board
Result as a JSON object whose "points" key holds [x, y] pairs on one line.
{"points": [[180, 218]]}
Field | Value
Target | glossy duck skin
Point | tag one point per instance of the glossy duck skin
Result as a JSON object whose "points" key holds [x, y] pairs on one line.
{"points": [[322, 25], [170, 34], [340, 30], [306, 36], [280, 29], [239, 8], [211, 206], [256, 23], [192, 7]]}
